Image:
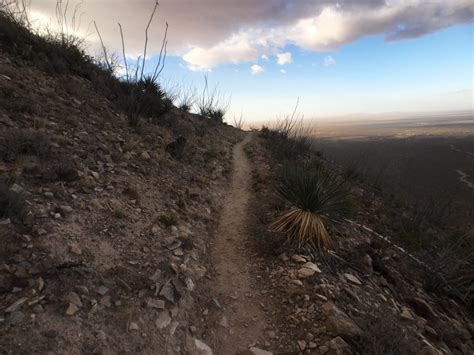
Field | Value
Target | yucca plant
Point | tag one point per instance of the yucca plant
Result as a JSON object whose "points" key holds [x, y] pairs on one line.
{"points": [[316, 196]]}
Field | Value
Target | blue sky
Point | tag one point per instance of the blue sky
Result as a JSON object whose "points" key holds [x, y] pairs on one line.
{"points": [[370, 75], [340, 57]]}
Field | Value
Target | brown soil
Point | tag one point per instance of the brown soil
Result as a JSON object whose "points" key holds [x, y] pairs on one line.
{"points": [[233, 283]]}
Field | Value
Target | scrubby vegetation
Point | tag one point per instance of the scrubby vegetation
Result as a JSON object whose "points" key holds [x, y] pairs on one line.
{"points": [[138, 93], [316, 196]]}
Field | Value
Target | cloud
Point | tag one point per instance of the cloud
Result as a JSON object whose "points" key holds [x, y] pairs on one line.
{"points": [[209, 33], [265, 57], [283, 71], [284, 58], [256, 69], [328, 61], [234, 50]]}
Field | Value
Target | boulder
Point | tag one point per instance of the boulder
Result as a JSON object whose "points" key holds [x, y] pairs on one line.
{"points": [[339, 323]]}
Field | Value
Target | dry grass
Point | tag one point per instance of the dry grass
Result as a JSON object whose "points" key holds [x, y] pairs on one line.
{"points": [[304, 228]]}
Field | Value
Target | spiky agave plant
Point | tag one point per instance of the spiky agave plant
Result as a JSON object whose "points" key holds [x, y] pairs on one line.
{"points": [[316, 195]]}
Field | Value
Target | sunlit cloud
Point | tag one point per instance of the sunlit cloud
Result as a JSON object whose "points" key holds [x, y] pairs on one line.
{"points": [[210, 33], [256, 69], [284, 58]]}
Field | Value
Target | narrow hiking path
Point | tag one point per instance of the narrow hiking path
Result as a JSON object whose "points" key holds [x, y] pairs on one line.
{"points": [[242, 321]]}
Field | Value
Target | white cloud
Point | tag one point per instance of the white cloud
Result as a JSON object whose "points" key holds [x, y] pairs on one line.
{"points": [[284, 58], [256, 69], [328, 61], [264, 57], [283, 71], [209, 33], [234, 50]]}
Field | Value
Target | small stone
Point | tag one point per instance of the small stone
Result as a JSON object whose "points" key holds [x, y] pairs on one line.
{"points": [[312, 266], [223, 322], [163, 320], [72, 309], [40, 282], [82, 290], [338, 344], [301, 344], [297, 282], [256, 351], [351, 278], [145, 156], [133, 326], [298, 259], [158, 304], [65, 210], [406, 314], [321, 297], [102, 290], [73, 298], [312, 345], [202, 348], [323, 349], [304, 273]]}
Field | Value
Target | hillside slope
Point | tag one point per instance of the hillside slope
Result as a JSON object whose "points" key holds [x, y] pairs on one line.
{"points": [[102, 229]]}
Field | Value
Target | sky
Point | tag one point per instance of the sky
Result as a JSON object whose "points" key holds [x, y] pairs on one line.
{"points": [[348, 57]]}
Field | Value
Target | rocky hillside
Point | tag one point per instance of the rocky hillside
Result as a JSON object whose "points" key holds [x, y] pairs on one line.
{"points": [[153, 239], [102, 227]]}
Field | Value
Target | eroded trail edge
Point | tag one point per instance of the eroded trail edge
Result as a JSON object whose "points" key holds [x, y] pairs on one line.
{"points": [[242, 322]]}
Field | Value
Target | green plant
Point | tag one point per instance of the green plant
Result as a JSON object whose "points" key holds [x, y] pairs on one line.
{"points": [[168, 219], [316, 196]]}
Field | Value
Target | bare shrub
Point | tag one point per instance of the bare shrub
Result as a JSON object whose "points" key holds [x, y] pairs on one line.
{"points": [[289, 136], [24, 142], [239, 122], [213, 104]]}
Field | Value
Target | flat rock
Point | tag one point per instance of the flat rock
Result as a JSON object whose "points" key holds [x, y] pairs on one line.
{"points": [[256, 351], [202, 348], [353, 279], [338, 344], [102, 290], [305, 272], [72, 309], [163, 320], [312, 266], [298, 259], [339, 323]]}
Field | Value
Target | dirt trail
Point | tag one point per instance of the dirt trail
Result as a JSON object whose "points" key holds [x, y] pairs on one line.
{"points": [[242, 323]]}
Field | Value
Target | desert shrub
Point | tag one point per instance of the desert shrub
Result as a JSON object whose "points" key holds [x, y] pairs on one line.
{"points": [[212, 104], [289, 137], [12, 204], [168, 219], [382, 335], [186, 99], [24, 142], [453, 271], [316, 196]]}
